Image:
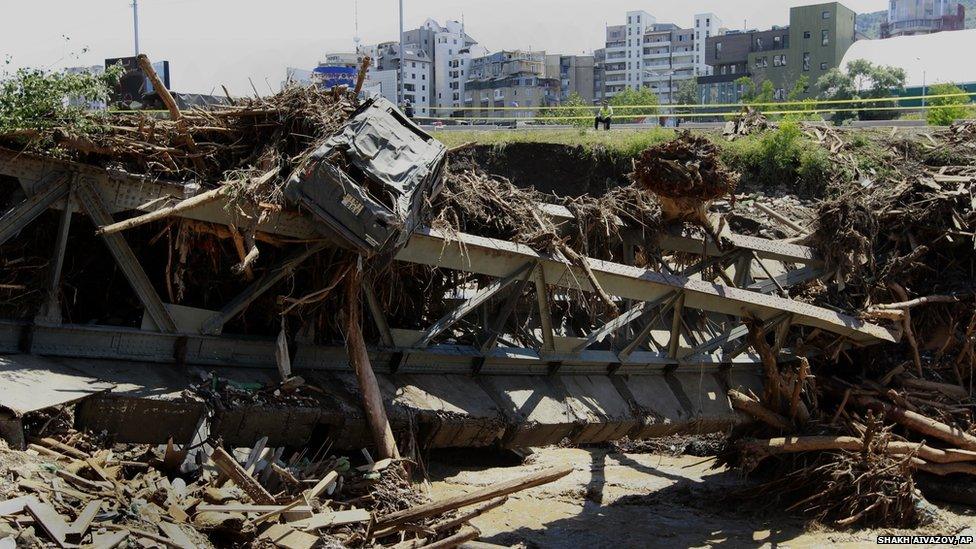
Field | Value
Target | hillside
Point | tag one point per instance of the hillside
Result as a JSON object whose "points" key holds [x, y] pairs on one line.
{"points": [[870, 23]]}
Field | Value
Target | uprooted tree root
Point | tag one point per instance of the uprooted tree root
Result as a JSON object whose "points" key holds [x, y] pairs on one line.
{"points": [[686, 174]]}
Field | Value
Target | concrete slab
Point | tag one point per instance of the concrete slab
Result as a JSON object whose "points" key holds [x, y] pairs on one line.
{"points": [[537, 410], [608, 416], [658, 409]]}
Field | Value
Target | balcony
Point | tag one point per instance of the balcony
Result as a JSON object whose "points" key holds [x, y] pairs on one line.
{"points": [[664, 55]]}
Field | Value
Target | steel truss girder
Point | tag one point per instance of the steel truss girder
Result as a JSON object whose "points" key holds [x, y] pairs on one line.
{"points": [[124, 256], [117, 343], [464, 252]]}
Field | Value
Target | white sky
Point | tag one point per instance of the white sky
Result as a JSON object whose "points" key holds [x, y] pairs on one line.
{"points": [[213, 42]]}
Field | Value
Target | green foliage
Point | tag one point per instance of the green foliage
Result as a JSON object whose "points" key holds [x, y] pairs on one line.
{"points": [[863, 80], [687, 92], [780, 157], [623, 143], [31, 99], [947, 109], [748, 86], [575, 111], [632, 105], [801, 105]]}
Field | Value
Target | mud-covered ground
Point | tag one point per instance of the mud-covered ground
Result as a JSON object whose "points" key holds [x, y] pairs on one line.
{"points": [[642, 500]]}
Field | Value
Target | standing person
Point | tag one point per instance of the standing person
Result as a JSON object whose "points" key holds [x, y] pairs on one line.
{"points": [[605, 116]]}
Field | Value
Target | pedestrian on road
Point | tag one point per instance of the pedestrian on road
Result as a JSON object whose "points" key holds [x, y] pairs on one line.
{"points": [[605, 116]]}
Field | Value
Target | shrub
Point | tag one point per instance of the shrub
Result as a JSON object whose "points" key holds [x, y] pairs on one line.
{"points": [[947, 109]]}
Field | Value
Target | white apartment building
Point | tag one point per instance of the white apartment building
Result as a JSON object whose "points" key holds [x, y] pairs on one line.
{"points": [[706, 26], [417, 72], [659, 56]]}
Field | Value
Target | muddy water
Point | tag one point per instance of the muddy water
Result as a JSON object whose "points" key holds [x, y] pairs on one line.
{"points": [[615, 500]]}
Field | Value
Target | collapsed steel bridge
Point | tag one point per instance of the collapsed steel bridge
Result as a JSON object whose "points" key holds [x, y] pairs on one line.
{"points": [[663, 365]]}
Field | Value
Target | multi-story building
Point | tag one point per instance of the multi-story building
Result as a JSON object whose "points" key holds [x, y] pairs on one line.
{"points": [[417, 72], [815, 41], [707, 25], [509, 84], [599, 74], [450, 50], [575, 74], [910, 17], [659, 56]]}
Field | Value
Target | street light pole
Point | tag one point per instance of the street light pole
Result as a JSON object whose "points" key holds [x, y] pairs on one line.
{"points": [[402, 103], [135, 24]]}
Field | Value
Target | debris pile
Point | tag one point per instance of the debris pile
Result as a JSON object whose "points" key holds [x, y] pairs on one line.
{"points": [[749, 122], [68, 490], [849, 437]]}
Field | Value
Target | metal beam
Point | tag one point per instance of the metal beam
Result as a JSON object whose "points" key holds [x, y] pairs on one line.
{"points": [[472, 303], [379, 317], [124, 257], [624, 319], [676, 321], [52, 189], [257, 288], [645, 332], [130, 344], [51, 309], [545, 313], [497, 327], [492, 257], [732, 334], [787, 280]]}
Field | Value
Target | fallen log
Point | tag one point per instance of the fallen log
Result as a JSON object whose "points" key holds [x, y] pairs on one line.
{"points": [[741, 401], [921, 424], [162, 213], [788, 445], [953, 391], [483, 494], [467, 533], [379, 423]]}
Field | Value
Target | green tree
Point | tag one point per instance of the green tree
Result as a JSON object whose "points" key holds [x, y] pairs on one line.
{"points": [[574, 111], [32, 99], [863, 80], [633, 105], [946, 110], [748, 87], [798, 103]]}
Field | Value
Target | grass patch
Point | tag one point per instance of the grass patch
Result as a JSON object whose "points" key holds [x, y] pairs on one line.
{"points": [[625, 143]]}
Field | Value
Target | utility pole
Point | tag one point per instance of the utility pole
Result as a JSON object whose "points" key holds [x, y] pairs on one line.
{"points": [[135, 24], [402, 99]]}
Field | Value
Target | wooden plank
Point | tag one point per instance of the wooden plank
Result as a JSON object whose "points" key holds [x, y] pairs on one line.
{"points": [[13, 506], [49, 519], [482, 494], [287, 537], [175, 533], [229, 466], [247, 508], [77, 529], [332, 518], [322, 485]]}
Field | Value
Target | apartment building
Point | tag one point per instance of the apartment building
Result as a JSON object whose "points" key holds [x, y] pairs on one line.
{"points": [[659, 56], [417, 72], [575, 74], [450, 50], [599, 74], [509, 84], [707, 25], [911, 17], [815, 41]]}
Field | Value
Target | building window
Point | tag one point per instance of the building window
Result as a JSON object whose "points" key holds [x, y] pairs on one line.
{"points": [[806, 60], [825, 15], [718, 50], [732, 69], [806, 34], [823, 66], [824, 37]]}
